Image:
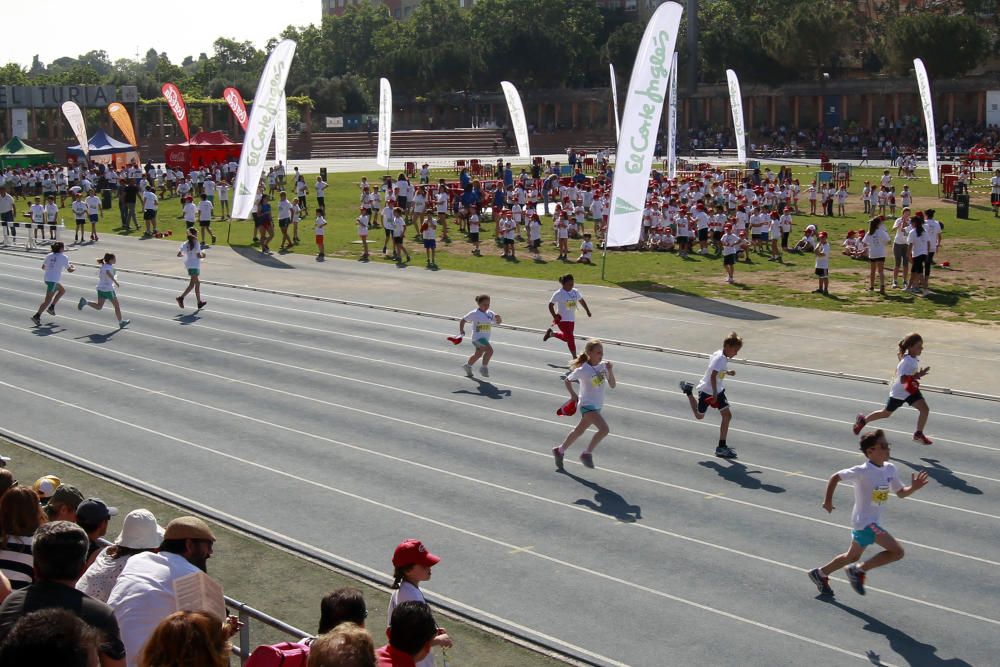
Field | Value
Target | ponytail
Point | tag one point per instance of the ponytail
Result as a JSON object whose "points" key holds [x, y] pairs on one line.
{"points": [[107, 259], [192, 239], [907, 342], [578, 361], [584, 357], [398, 575]]}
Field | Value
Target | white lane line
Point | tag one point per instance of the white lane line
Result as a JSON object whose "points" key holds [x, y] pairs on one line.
{"points": [[300, 396], [375, 573], [551, 351], [448, 374], [467, 532]]}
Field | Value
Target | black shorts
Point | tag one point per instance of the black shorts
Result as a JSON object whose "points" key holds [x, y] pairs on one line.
{"points": [[995, 198], [728, 260], [388, 233], [720, 401], [703, 234], [398, 239], [284, 222], [876, 259], [716, 236], [474, 237], [508, 241], [402, 202], [918, 264], [205, 223], [148, 214], [928, 264], [893, 403], [822, 273]]}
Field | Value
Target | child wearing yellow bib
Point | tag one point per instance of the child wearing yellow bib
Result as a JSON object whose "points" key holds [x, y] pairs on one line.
{"points": [[482, 320]]}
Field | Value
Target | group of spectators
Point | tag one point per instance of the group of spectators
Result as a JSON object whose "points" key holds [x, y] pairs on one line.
{"points": [[69, 598]]}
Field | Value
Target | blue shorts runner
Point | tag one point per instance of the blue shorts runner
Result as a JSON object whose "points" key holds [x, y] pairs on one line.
{"points": [[867, 535], [481, 342], [584, 409]]}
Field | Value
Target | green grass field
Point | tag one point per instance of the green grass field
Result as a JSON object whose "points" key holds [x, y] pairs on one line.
{"points": [[967, 291]]}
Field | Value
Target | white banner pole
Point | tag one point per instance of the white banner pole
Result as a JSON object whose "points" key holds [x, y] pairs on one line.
{"points": [[517, 120], [672, 122], [736, 104], [928, 104], [281, 133], [384, 123], [614, 99]]}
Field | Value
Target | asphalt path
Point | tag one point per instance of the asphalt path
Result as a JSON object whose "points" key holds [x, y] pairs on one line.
{"points": [[350, 429]]}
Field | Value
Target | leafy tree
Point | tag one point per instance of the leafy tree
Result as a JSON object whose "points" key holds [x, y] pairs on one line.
{"points": [[13, 74], [948, 45], [810, 36]]}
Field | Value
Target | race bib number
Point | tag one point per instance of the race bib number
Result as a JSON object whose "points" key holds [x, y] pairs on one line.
{"points": [[483, 328], [571, 304], [597, 380], [880, 495]]}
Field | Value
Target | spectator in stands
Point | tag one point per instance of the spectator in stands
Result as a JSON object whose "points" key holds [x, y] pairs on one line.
{"points": [[7, 481], [60, 552], [411, 631], [187, 639], [140, 532], [93, 516], [144, 595], [50, 637], [20, 517], [45, 487], [349, 645], [63, 503], [344, 605]]}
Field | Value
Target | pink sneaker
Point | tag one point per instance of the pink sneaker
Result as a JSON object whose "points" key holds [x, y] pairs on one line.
{"points": [[859, 423], [922, 439]]}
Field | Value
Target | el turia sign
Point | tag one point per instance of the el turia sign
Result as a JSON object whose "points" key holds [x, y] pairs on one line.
{"points": [[47, 97]]}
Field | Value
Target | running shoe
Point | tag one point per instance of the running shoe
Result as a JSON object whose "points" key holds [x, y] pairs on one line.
{"points": [[859, 423], [81, 303], [686, 387], [558, 456], [51, 310], [484, 371], [202, 304], [213, 239], [822, 582], [468, 369], [587, 459], [856, 576], [725, 452], [124, 323], [180, 301], [548, 334], [37, 319], [922, 439]]}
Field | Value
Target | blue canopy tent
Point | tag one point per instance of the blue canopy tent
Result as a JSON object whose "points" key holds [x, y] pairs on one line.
{"points": [[105, 149]]}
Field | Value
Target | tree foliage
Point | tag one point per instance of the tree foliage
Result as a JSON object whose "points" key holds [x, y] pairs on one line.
{"points": [[948, 45]]}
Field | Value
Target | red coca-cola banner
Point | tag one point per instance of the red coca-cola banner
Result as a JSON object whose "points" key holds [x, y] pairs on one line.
{"points": [[176, 104], [235, 102]]}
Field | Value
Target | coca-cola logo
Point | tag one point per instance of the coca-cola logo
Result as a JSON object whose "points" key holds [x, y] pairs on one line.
{"points": [[173, 98], [236, 104], [176, 156]]}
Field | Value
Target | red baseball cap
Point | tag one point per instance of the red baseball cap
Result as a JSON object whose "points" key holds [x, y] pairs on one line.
{"points": [[413, 552]]}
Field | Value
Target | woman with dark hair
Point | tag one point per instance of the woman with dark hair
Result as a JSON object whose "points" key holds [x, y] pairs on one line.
{"points": [[187, 639], [20, 516], [918, 240], [344, 605]]}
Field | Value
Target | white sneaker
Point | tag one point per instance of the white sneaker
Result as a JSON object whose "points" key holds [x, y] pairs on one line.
{"points": [[484, 371], [468, 369]]}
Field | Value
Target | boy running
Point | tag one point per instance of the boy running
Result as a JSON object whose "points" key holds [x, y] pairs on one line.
{"points": [[482, 320], [712, 392], [873, 480]]}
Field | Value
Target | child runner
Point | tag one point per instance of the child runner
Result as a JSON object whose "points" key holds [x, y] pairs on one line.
{"points": [[94, 212], [905, 388], [566, 298], [712, 391], [822, 253], [362, 221], [192, 253], [79, 208], [592, 372], [412, 564], [873, 480], [320, 231], [53, 265], [482, 320], [106, 284]]}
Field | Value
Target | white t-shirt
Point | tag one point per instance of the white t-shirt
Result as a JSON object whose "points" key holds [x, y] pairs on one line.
{"points": [[190, 255], [54, 264], [149, 200], [189, 211], [876, 243], [144, 595], [205, 210], [482, 323], [718, 362], [918, 244], [730, 244], [79, 209], [932, 230], [872, 485], [407, 592], [566, 303], [93, 205], [907, 366], [823, 256], [429, 231], [320, 226], [901, 231], [362, 225], [284, 209], [592, 381], [106, 278]]}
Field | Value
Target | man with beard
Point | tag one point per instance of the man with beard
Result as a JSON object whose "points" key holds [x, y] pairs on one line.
{"points": [[144, 593]]}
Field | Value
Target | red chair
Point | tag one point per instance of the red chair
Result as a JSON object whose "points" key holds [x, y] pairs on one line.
{"points": [[411, 169], [459, 166], [589, 165], [476, 167]]}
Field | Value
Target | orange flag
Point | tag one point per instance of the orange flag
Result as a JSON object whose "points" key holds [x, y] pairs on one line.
{"points": [[124, 122]]}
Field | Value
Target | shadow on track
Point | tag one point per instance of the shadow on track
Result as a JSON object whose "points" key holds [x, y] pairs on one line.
{"points": [[738, 474], [192, 318], [943, 475], [257, 257], [691, 301], [916, 653], [98, 339], [47, 329], [486, 389], [606, 501]]}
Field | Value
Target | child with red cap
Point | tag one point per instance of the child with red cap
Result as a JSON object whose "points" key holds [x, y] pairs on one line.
{"points": [[822, 252], [412, 563]]}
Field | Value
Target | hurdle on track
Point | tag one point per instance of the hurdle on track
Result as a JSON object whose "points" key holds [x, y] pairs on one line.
{"points": [[27, 238]]}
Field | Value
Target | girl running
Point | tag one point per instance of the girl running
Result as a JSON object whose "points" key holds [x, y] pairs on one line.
{"points": [[592, 372], [106, 284], [482, 320], [412, 563], [872, 480], [192, 253], [905, 388], [566, 299], [53, 265], [712, 391]]}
